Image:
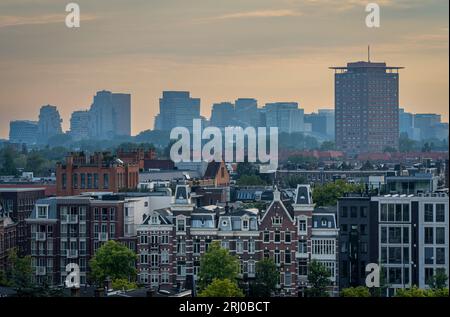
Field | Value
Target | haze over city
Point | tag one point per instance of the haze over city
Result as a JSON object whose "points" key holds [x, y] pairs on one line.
{"points": [[218, 50]]}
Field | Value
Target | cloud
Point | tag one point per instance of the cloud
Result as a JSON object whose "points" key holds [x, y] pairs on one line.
{"points": [[256, 14], [12, 21]]}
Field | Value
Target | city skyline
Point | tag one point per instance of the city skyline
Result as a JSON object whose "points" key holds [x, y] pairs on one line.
{"points": [[215, 53]]}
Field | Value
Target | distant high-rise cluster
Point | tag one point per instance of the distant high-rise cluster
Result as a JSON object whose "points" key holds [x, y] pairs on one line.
{"points": [[23, 131], [423, 126]]}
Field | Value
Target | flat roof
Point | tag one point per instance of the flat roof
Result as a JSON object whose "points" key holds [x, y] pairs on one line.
{"points": [[18, 189]]}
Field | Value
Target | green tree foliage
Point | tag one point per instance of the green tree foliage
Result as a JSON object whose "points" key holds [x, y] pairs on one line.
{"points": [[35, 162], [319, 279], [222, 288], [246, 169], [123, 284], [405, 144], [439, 280], [20, 273], [293, 180], [328, 194], [217, 263], [267, 277], [7, 165], [250, 180], [359, 291], [328, 146], [367, 166], [302, 162], [113, 260], [418, 292]]}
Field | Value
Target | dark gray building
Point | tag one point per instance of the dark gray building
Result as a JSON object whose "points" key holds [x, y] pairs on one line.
{"points": [[367, 107]]}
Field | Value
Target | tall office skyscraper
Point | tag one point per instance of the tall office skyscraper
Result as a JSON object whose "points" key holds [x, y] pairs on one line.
{"points": [[23, 131], [177, 109], [79, 125], [366, 107], [284, 115], [222, 115], [246, 112], [110, 115], [49, 123]]}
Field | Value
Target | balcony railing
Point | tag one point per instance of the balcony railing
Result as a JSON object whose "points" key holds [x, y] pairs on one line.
{"points": [[72, 254], [41, 236], [103, 236], [41, 270]]}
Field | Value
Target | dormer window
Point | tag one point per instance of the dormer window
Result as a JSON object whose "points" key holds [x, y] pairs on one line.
{"points": [[245, 224], [154, 220], [324, 222], [276, 221], [224, 223], [42, 212], [181, 225]]}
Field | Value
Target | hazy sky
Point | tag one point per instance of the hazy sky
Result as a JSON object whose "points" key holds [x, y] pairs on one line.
{"points": [[220, 50]]}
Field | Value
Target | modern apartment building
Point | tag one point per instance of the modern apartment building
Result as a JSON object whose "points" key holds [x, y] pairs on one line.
{"points": [[23, 132], [49, 123]]}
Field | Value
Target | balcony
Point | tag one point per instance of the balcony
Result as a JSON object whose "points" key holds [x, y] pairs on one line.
{"points": [[41, 236], [103, 236], [72, 254], [41, 270]]}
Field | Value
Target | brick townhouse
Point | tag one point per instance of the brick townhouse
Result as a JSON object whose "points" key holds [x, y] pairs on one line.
{"points": [[292, 233]]}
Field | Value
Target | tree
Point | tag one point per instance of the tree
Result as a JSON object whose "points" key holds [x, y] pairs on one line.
{"points": [[405, 144], [35, 162], [328, 194], [21, 273], [7, 160], [267, 277], [246, 169], [113, 260], [359, 291], [413, 292], [293, 180], [217, 263], [222, 288], [319, 279], [250, 180], [123, 284], [327, 146], [439, 280]]}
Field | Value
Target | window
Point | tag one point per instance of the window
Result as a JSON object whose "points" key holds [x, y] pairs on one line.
{"points": [[197, 246], [429, 256], [303, 268], [429, 272], [105, 181], [181, 268], [75, 181], [405, 212], [64, 180], [251, 267], [353, 212], [277, 236], [104, 214], [165, 239], [266, 236], [112, 230], [364, 247], [251, 246], [405, 235], [363, 212], [303, 246], [429, 239], [225, 244], [398, 212], [287, 237], [287, 257], [276, 221], [42, 212], [395, 234], [154, 239], [287, 279], [144, 258], [165, 257], [440, 255], [428, 215], [154, 220], [344, 228], [277, 257], [344, 212], [363, 229], [440, 213], [181, 225], [384, 212], [181, 247], [95, 180], [164, 277], [89, 180], [245, 224], [302, 226], [239, 246], [83, 181], [112, 214], [395, 255], [154, 261], [144, 239], [440, 235]]}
